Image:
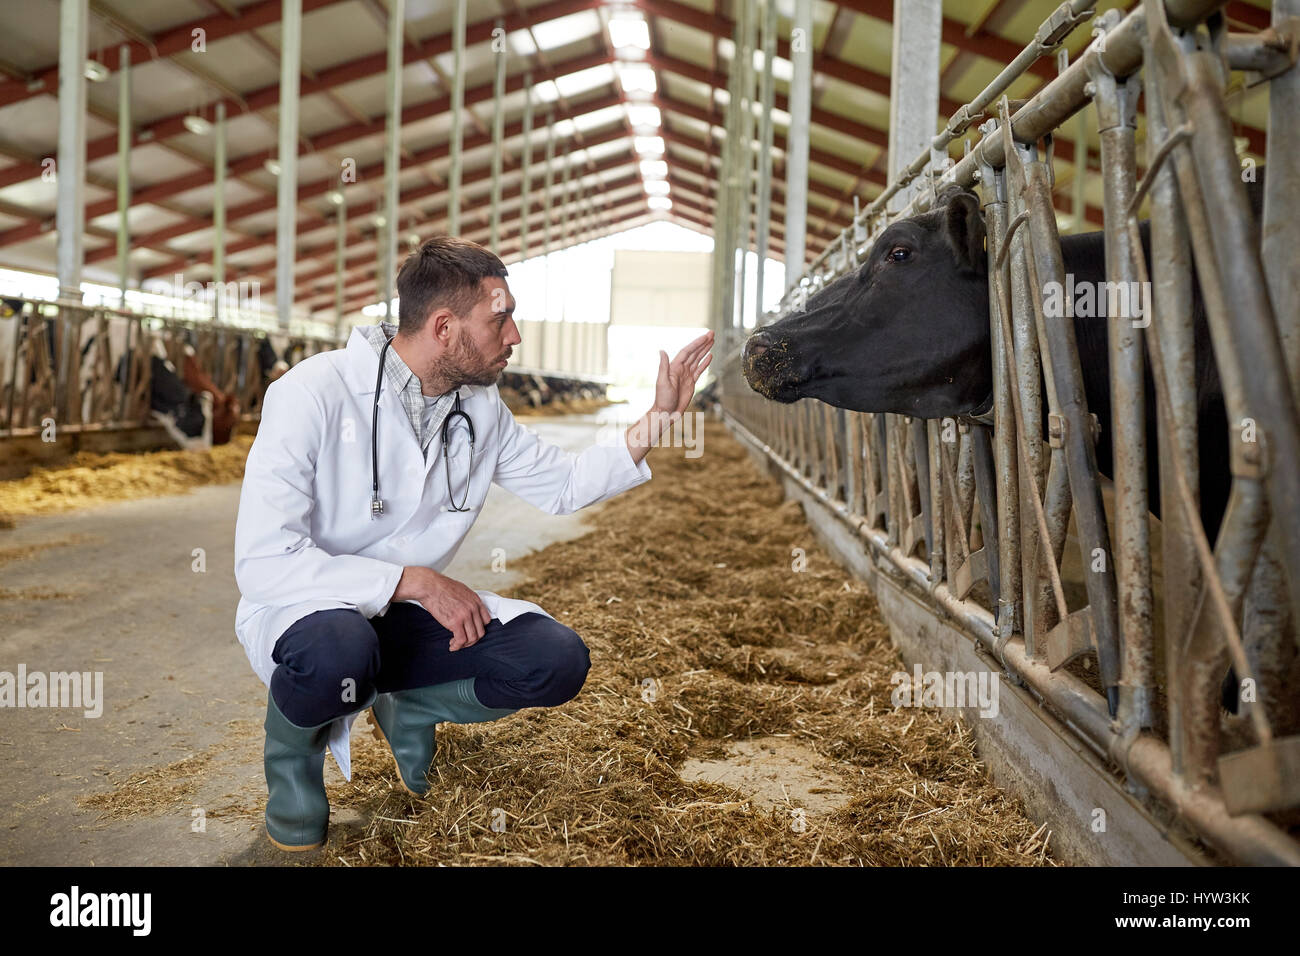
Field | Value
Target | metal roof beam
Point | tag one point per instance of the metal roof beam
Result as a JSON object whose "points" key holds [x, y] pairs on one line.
{"points": [[320, 187], [176, 40], [370, 65], [616, 217]]}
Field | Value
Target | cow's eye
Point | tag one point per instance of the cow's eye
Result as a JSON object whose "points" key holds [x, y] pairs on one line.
{"points": [[900, 253]]}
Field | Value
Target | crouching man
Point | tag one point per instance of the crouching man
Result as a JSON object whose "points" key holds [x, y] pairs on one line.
{"points": [[371, 464]]}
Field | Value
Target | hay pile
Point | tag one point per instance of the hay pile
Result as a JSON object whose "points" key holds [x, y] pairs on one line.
{"points": [[560, 406], [89, 478], [688, 581]]}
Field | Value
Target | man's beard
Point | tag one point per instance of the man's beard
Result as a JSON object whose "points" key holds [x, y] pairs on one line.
{"points": [[463, 365]]}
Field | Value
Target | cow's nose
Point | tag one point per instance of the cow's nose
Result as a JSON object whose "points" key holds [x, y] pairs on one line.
{"points": [[758, 344]]}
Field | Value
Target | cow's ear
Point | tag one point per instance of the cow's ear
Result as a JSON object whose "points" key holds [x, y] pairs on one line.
{"points": [[964, 230]]}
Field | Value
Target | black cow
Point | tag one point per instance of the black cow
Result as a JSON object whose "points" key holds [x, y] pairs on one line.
{"points": [[908, 332]]}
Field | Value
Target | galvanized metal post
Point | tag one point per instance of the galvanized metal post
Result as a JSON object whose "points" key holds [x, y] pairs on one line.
{"points": [[498, 135], [287, 193], [70, 171], [913, 107], [796, 157], [526, 167], [1078, 197], [457, 109], [1116, 104], [392, 153], [1281, 224], [219, 208], [548, 185], [1270, 644], [124, 137], [721, 267], [729, 181], [340, 245], [765, 156], [744, 154], [913, 87], [565, 218]]}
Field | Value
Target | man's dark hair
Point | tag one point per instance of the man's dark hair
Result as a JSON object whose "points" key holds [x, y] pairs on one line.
{"points": [[445, 272]]}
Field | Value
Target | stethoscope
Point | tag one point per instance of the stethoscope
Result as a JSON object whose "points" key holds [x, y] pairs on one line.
{"points": [[377, 503]]}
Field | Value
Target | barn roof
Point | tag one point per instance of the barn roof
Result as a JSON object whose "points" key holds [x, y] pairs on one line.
{"points": [[590, 92]]}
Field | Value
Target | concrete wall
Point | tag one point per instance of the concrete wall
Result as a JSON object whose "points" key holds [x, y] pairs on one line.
{"points": [[660, 288]]}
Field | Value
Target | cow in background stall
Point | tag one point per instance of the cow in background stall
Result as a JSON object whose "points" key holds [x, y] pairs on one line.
{"points": [[187, 404]]}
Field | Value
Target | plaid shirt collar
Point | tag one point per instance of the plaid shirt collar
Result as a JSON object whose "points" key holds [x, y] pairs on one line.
{"points": [[407, 385]]}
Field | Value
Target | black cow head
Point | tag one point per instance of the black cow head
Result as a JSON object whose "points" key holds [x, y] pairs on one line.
{"points": [[907, 332]]}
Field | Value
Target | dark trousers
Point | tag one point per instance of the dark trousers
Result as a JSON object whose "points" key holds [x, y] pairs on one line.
{"points": [[331, 660]]}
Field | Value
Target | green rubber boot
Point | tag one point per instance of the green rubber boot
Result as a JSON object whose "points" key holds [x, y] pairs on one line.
{"points": [[406, 721], [297, 810]]}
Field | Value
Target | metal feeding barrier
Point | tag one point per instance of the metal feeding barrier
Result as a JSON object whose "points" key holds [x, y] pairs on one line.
{"points": [[975, 517], [88, 368]]}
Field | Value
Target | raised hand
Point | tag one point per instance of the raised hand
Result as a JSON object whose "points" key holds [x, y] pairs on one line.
{"points": [[677, 378]]}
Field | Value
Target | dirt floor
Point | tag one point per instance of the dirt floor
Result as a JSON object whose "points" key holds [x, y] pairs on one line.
{"points": [[737, 711]]}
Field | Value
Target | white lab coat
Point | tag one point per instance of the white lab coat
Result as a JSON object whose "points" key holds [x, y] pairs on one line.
{"points": [[304, 538]]}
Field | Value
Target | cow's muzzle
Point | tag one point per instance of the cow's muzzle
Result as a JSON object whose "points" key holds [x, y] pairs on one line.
{"points": [[769, 367]]}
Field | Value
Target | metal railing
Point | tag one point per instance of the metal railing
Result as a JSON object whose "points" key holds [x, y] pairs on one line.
{"points": [[977, 516], [79, 366]]}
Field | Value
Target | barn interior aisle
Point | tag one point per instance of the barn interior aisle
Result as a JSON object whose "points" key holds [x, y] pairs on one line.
{"points": [[839, 433], [123, 561], [737, 712]]}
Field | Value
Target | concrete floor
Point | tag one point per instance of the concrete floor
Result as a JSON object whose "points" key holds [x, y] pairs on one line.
{"points": [[113, 589]]}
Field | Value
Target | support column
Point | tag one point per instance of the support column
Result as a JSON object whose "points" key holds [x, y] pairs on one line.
{"points": [[498, 136], [70, 172], [548, 182], [457, 108], [765, 156], [219, 210], [287, 192], [124, 137], [565, 217], [723, 289], [796, 162], [340, 246], [525, 166], [913, 88], [392, 154], [745, 160]]}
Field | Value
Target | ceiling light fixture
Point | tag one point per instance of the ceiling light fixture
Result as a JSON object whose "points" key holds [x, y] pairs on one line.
{"points": [[197, 125], [637, 78], [629, 32], [652, 145], [654, 169], [644, 117]]}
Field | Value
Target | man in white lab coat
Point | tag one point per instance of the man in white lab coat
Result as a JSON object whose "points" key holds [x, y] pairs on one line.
{"points": [[360, 488]]}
